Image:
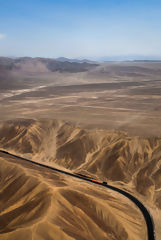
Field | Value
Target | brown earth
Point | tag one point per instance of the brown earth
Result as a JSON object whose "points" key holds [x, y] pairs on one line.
{"points": [[102, 153], [40, 204], [107, 126], [121, 96], [131, 163]]}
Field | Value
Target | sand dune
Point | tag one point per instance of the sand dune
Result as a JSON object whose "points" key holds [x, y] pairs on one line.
{"points": [[99, 153], [40, 204]]}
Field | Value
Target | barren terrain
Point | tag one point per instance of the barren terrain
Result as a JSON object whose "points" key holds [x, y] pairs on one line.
{"points": [[123, 96], [40, 204], [103, 122]]}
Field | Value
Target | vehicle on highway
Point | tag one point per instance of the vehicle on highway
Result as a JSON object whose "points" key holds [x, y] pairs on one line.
{"points": [[104, 183], [93, 180]]}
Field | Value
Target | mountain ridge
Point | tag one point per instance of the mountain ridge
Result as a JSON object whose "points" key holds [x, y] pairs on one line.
{"points": [[28, 64], [101, 153]]}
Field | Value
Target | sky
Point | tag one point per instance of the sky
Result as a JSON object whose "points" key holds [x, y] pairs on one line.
{"points": [[94, 29]]}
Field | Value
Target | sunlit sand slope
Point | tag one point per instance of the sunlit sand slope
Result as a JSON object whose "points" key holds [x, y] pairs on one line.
{"points": [[106, 154], [39, 204]]}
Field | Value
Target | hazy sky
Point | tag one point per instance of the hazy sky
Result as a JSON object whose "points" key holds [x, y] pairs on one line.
{"points": [[80, 28]]}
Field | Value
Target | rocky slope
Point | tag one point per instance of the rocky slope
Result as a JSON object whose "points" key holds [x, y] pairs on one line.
{"points": [[40, 204], [110, 155]]}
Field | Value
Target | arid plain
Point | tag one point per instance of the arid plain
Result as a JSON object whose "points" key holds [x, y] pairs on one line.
{"points": [[101, 120]]}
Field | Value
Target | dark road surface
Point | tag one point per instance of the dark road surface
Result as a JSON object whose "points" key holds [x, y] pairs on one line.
{"points": [[144, 211]]}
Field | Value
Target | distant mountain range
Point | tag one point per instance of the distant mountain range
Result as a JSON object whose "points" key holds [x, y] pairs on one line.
{"points": [[63, 59], [62, 64], [28, 64]]}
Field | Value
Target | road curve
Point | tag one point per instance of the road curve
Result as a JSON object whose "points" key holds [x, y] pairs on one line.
{"points": [[144, 211]]}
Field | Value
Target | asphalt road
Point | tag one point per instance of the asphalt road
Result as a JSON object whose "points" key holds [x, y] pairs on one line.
{"points": [[144, 211]]}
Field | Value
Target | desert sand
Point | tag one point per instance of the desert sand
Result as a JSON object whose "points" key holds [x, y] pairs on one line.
{"points": [[121, 96], [40, 204], [100, 154], [103, 122]]}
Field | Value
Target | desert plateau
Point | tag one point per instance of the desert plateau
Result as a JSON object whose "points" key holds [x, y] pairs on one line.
{"points": [[100, 120]]}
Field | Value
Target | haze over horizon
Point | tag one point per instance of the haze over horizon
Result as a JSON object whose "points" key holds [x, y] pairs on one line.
{"points": [[117, 30]]}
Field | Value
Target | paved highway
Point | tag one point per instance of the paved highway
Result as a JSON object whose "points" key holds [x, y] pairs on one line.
{"points": [[143, 209]]}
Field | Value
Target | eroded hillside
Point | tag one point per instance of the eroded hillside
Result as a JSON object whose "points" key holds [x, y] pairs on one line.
{"points": [[110, 155], [38, 203]]}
